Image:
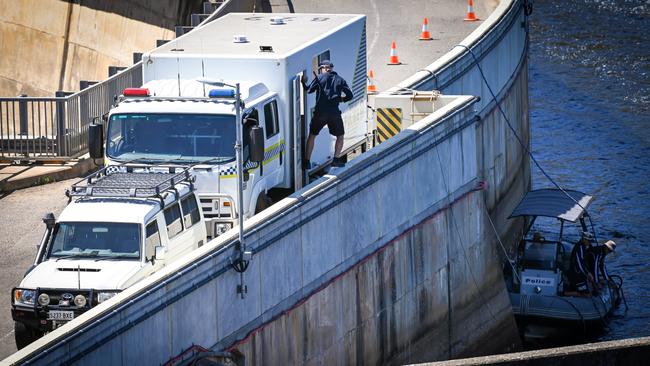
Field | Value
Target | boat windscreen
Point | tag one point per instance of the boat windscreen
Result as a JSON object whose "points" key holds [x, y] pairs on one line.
{"points": [[540, 256]]}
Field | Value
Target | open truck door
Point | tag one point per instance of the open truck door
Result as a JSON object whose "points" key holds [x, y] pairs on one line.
{"points": [[298, 132]]}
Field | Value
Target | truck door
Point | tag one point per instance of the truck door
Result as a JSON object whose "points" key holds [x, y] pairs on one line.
{"points": [[298, 129], [274, 159]]}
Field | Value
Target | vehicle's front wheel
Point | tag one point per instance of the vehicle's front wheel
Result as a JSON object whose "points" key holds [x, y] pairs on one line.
{"points": [[24, 335]]}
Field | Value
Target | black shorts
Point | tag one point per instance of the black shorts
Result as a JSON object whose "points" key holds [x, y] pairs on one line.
{"points": [[333, 121]]}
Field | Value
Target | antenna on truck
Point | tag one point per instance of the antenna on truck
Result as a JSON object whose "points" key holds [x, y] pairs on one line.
{"points": [[202, 67], [178, 68]]}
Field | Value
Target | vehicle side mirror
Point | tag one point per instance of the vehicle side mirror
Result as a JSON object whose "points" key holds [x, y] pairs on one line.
{"points": [[49, 220], [159, 252], [257, 144], [96, 141]]}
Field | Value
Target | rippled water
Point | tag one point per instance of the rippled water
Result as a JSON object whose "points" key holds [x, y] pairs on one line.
{"points": [[590, 116]]}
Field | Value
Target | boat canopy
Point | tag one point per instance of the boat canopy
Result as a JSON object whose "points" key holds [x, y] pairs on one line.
{"points": [[553, 203]]}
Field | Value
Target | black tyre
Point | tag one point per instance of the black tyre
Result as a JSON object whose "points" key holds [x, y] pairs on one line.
{"points": [[24, 335]]}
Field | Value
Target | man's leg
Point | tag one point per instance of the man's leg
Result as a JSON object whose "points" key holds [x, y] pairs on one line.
{"points": [[317, 124], [336, 128], [310, 146], [338, 146]]}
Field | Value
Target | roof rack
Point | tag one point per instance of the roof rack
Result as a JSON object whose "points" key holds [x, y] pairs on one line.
{"points": [[122, 181]]}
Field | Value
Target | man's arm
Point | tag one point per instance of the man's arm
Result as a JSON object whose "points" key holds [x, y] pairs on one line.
{"points": [[312, 87], [346, 90]]}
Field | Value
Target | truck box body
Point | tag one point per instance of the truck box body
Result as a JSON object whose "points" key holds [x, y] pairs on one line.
{"points": [[297, 45]]}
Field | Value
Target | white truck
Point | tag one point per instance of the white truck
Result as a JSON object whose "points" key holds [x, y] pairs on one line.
{"points": [[119, 228], [180, 117]]}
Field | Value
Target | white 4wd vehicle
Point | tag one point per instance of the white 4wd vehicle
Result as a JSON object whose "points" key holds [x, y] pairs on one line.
{"points": [[121, 227]]}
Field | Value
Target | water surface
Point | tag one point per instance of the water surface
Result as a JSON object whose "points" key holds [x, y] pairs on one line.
{"points": [[590, 117]]}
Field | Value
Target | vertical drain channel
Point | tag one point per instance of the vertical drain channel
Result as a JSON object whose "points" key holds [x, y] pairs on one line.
{"points": [[66, 38]]}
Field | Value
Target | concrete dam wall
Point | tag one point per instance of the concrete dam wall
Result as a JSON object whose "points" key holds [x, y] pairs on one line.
{"points": [[391, 260], [51, 45]]}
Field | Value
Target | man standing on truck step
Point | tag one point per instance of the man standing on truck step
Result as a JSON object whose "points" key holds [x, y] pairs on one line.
{"points": [[331, 89]]}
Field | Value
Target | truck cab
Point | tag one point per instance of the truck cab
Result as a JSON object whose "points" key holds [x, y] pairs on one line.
{"points": [[119, 228], [151, 126]]}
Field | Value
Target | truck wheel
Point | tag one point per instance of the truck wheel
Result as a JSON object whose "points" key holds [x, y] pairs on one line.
{"points": [[24, 335], [263, 202]]}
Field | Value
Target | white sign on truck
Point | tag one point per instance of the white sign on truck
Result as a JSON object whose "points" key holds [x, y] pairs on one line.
{"points": [[179, 118]]}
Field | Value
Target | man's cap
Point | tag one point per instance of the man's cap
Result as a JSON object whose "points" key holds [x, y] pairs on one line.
{"points": [[611, 245], [326, 63]]}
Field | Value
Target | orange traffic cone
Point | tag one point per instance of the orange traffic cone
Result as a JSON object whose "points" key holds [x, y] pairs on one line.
{"points": [[372, 88], [393, 60], [425, 36], [471, 17]]}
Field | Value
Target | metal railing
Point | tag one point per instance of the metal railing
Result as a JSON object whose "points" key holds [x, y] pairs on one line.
{"points": [[39, 127], [42, 128]]}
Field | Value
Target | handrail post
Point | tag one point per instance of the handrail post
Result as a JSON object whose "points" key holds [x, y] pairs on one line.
{"points": [[22, 115], [61, 124]]}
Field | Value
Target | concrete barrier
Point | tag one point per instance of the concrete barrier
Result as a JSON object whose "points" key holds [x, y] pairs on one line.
{"points": [[500, 47]]}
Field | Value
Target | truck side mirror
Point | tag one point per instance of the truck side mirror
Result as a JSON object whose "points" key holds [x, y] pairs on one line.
{"points": [[257, 144], [96, 141], [159, 252]]}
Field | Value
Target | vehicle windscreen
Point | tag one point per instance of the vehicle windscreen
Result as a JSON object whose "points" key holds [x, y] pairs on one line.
{"points": [[540, 256], [171, 137], [95, 240]]}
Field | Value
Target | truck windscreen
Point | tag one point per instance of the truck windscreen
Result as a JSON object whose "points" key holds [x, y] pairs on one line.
{"points": [[95, 239], [179, 137]]}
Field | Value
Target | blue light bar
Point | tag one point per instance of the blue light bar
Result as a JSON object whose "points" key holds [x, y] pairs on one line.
{"points": [[222, 93]]}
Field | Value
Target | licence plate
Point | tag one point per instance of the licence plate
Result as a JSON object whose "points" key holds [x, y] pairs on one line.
{"points": [[60, 315]]}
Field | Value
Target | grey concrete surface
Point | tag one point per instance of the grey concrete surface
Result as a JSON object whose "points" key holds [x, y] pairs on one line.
{"points": [[632, 351], [13, 177], [21, 230], [401, 21]]}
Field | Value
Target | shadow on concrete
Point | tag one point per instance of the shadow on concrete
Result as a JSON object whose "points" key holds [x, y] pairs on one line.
{"points": [[179, 10]]}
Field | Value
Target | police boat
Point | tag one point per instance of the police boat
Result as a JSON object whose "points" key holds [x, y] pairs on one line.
{"points": [[539, 279]]}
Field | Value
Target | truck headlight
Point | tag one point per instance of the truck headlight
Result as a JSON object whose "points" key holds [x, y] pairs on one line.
{"points": [[221, 228], [103, 296], [24, 296]]}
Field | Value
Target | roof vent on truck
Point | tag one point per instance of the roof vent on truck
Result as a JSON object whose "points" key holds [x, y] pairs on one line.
{"points": [[277, 21], [239, 38]]}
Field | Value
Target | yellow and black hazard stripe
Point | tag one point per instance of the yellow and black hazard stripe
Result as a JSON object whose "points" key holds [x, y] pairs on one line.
{"points": [[389, 123]]}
